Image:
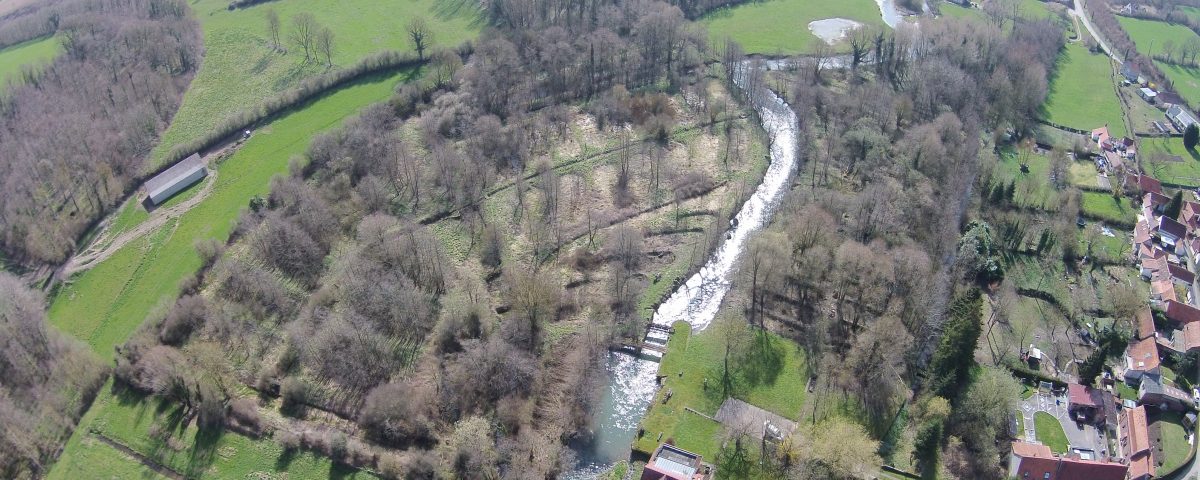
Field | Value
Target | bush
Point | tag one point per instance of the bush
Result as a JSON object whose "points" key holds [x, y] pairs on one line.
{"points": [[294, 393], [245, 411]]}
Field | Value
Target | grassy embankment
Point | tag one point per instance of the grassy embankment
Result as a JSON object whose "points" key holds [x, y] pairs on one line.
{"points": [[241, 69], [1082, 94], [102, 306], [14, 58], [1150, 36], [767, 371], [781, 26]]}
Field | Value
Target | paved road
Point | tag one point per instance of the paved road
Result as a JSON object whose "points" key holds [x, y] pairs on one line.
{"points": [[1079, 11]]}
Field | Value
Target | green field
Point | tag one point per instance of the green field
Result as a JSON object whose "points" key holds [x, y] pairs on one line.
{"points": [[241, 70], [781, 26], [128, 418], [1170, 162], [33, 52], [102, 306], [1032, 187], [1150, 35], [1050, 432], [1082, 92], [767, 373], [1103, 206]]}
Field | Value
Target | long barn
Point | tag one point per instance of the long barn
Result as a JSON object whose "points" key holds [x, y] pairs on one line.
{"points": [[180, 176]]}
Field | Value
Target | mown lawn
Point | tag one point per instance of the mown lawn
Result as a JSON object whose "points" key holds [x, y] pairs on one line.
{"points": [[767, 371], [33, 52], [1169, 161], [1050, 432], [241, 70], [1185, 79], [128, 419], [781, 26], [1032, 187], [1103, 206], [103, 305], [1082, 94]]}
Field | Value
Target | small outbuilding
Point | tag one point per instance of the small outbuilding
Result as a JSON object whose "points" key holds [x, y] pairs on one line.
{"points": [[1147, 94], [180, 176]]}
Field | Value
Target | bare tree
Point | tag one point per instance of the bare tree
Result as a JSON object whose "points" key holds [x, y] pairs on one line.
{"points": [[304, 31], [325, 45], [273, 28], [420, 35]]}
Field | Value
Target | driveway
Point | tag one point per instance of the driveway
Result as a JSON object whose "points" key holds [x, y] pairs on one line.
{"points": [[1078, 11], [1078, 436]]}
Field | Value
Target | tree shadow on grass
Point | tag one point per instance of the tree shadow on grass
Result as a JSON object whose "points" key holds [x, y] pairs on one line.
{"points": [[762, 361], [204, 449], [339, 470]]}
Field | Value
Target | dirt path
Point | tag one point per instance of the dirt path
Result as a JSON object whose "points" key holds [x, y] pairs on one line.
{"points": [[105, 244], [142, 459]]}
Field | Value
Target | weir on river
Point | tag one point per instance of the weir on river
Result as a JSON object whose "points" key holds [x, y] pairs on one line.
{"points": [[632, 377]]}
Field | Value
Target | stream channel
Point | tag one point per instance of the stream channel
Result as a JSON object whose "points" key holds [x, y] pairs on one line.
{"points": [[631, 379]]}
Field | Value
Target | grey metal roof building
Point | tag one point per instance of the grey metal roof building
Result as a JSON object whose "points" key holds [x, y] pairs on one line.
{"points": [[181, 175]]}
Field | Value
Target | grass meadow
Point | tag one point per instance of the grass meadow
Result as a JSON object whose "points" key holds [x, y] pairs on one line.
{"points": [[1102, 206], [14, 58], [103, 305], [130, 419], [781, 26], [1082, 92], [241, 69], [1150, 35], [767, 372], [1169, 161]]}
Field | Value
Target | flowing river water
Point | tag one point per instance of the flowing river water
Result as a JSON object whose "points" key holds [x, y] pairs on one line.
{"points": [[631, 380]]}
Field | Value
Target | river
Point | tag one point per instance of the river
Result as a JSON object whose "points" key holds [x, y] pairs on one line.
{"points": [[631, 385], [631, 380]]}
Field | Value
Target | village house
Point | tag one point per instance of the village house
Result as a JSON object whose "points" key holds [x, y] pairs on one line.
{"points": [[1153, 392], [1180, 117], [1170, 232], [1144, 320], [180, 176], [1182, 313], [1085, 403], [1130, 73], [1141, 358], [1032, 461], [1133, 433], [1141, 184]]}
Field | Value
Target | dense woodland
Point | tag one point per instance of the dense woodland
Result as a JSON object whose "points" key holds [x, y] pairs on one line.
{"points": [[48, 382], [76, 131]]}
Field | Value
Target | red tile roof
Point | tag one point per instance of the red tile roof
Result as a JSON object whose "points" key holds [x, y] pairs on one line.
{"points": [[1037, 463], [1180, 273], [1163, 289], [1141, 466], [1182, 312], [1082, 396], [1144, 319], [1154, 199], [1190, 336], [1143, 355], [1149, 184], [1135, 436]]}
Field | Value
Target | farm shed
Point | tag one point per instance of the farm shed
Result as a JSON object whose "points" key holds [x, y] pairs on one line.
{"points": [[181, 175]]}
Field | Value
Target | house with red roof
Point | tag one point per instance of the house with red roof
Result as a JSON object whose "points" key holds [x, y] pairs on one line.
{"points": [[1032, 461], [1141, 358], [1084, 403], [1144, 321], [1182, 312]]}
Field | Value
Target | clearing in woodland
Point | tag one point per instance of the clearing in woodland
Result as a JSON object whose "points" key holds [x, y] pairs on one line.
{"points": [[15, 58], [781, 26]]}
